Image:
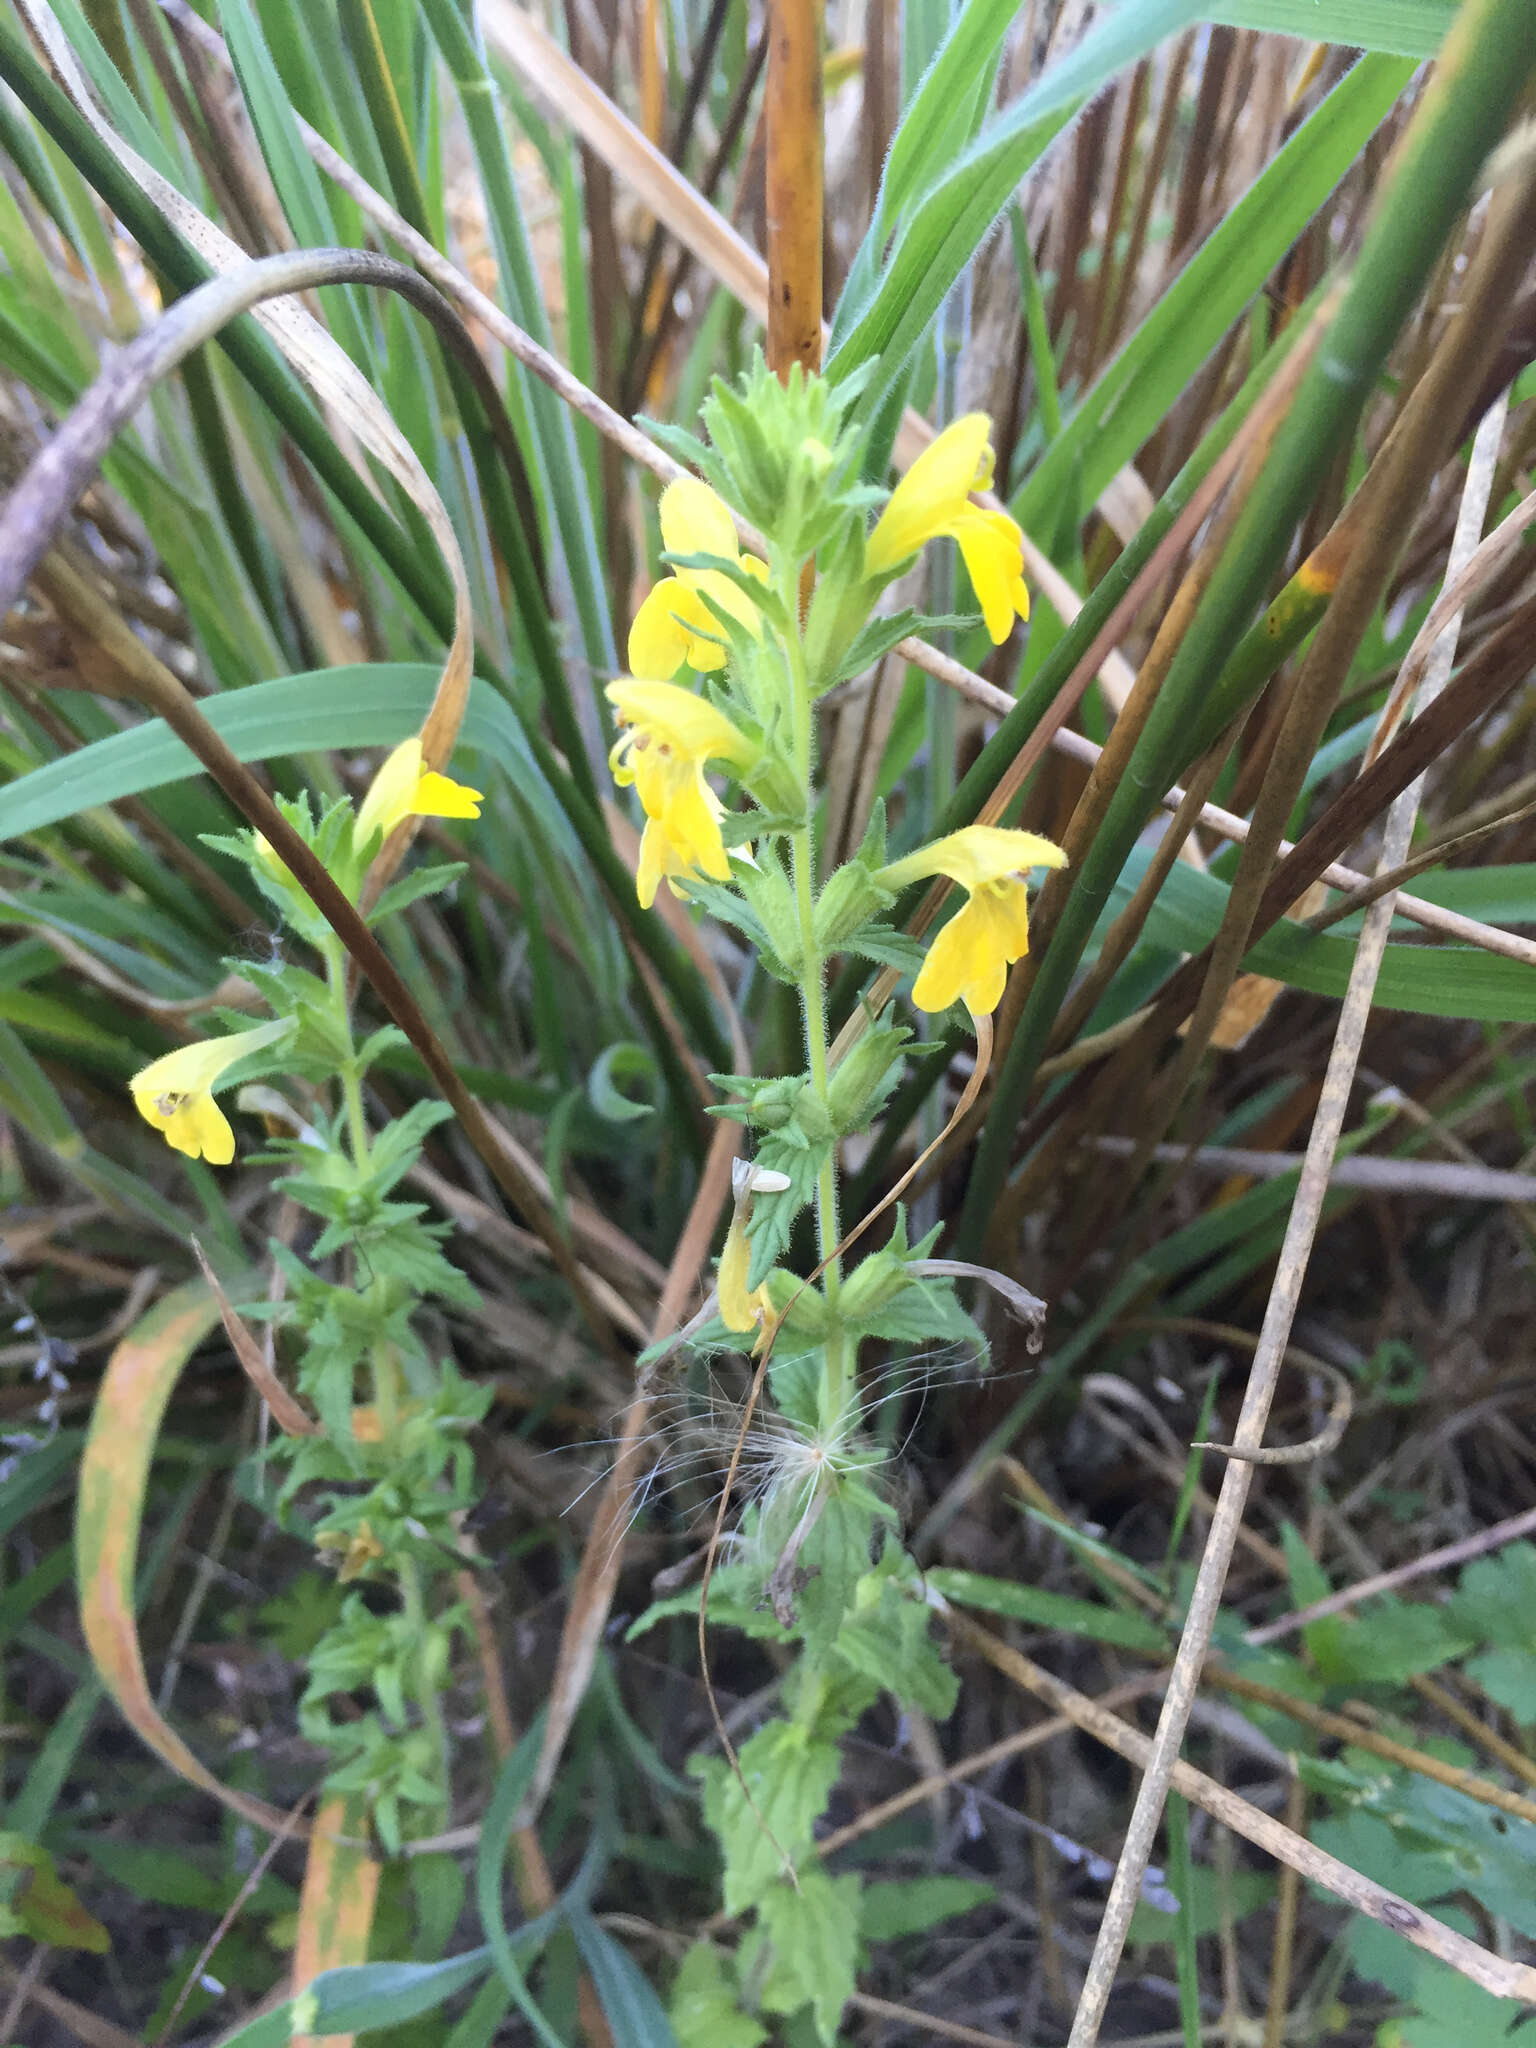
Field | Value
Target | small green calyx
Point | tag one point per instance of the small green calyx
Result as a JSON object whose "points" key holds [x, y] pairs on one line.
{"points": [[873, 1285], [766, 888], [850, 899], [865, 1076]]}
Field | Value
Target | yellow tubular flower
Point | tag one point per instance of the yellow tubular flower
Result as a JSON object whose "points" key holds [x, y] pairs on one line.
{"points": [[970, 958], [667, 734], [740, 1309], [175, 1093], [934, 499], [403, 788], [674, 624]]}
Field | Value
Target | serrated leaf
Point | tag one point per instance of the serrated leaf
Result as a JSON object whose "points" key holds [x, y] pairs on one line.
{"points": [[427, 881], [773, 1216], [814, 1932], [704, 2008], [1496, 1599], [790, 1776], [1394, 1640], [884, 944], [888, 1638], [831, 1561]]}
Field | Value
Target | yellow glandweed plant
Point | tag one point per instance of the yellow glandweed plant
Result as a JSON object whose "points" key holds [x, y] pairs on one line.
{"points": [[382, 1472], [728, 663]]}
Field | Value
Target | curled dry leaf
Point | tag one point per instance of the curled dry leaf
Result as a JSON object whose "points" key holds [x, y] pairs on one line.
{"points": [[360, 414], [114, 1471]]}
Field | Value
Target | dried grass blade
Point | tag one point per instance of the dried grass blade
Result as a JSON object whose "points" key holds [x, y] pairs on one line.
{"points": [[288, 1414], [341, 1888], [1160, 1766], [1495, 1974]]}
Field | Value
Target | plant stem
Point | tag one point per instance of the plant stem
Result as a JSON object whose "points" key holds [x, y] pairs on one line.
{"points": [[347, 1069], [426, 1691], [813, 999]]}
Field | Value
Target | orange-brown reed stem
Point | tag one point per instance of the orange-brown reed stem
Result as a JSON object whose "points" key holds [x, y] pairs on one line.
{"points": [[794, 184]]}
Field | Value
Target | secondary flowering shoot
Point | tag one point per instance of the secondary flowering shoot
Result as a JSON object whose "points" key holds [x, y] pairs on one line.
{"points": [[674, 624], [404, 788], [969, 960], [175, 1093], [933, 499], [667, 734]]}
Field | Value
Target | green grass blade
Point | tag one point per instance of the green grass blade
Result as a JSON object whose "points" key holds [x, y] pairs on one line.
{"points": [[1403, 28], [1434, 175], [1139, 387], [949, 223]]}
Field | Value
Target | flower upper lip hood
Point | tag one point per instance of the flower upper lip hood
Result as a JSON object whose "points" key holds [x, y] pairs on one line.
{"points": [[674, 624], [403, 788], [974, 856], [175, 1092], [933, 499], [970, 958]]}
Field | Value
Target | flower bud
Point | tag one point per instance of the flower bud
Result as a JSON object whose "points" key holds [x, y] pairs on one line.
{"points": [[872, 1286]]}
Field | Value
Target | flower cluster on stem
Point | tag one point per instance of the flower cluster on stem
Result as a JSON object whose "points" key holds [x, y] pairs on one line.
{"points": [[730, 654]]}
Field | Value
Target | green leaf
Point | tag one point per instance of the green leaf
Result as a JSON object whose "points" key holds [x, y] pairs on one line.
{"points": [[364, 1998], [1393, 1640], [375, 704], [946, 225], [495, 1839], [39, 1902], [1452, 2014], [1410, 28], [1509, 1679], [1137, 389], [635, 2014], [1496, 1599], [790, 1776], [831, 1561], [814, 1932], [1241, 1891], [1089, 1619], [911, 1905], [177, 1877], [888, 1638], [623, 1061], [1430, 980], [704, 2008], [1426, 1840]]}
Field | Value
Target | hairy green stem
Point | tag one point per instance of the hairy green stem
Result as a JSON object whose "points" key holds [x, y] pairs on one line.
{"points": [[813, 994], [414, 1601]]}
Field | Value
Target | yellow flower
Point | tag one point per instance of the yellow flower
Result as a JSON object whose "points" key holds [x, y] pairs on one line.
{"points": [[740, 1309], [357, 1549], [175, 1093], [403, 788], [667, 736], [970, 958], [674, 624], [743, 1308], [933, 499]]}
